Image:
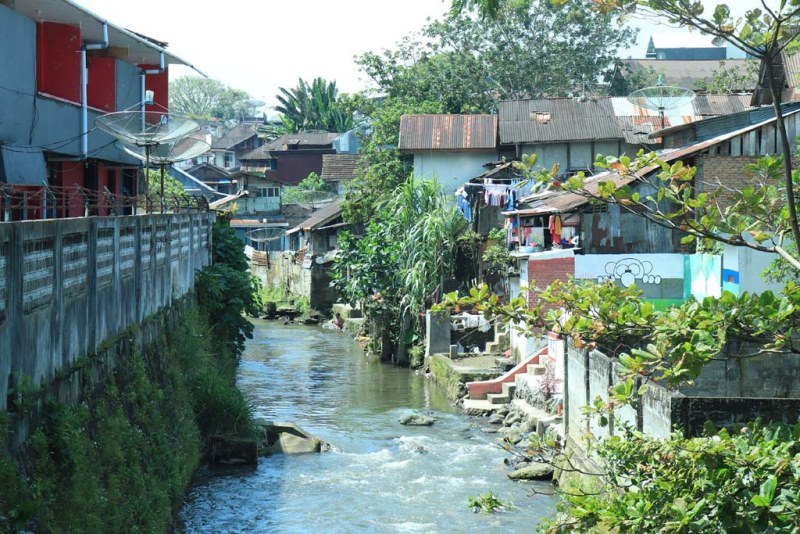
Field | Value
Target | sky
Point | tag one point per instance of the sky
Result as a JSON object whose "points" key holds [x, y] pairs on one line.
{"points": [[260, 46]]}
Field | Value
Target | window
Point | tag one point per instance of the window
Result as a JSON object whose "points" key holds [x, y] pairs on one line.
{"points": [[272, 164], [268, 192], [228, 160]]}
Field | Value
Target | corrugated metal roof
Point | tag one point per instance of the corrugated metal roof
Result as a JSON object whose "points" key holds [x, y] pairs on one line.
{"points": [[259, 153], [339, 166], [563, 120], [686, 73], [226, 200], [314, 138], [553, 120], [234, 136], [565, 201], [320, 217], [448, 132]]}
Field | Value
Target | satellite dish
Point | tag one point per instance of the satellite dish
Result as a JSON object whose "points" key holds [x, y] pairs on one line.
{"points": [[660, 98], [254, 103], [146, 128], [170, 152], [313, 200], [265, 235]]}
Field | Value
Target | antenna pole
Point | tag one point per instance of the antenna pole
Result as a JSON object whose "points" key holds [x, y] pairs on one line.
{"points": [[162, 187], [147, 165]]}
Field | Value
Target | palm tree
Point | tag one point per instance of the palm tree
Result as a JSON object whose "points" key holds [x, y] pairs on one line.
{"points": [[312, 107]]}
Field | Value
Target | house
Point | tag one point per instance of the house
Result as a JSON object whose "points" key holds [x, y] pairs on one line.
{"points": [[449, 148], [239, 140], [567, 133], [318, 234], [215, 177], [192, 185], [338, 170], [559, 234], [686, 46], [53, 162], [290, 158]]}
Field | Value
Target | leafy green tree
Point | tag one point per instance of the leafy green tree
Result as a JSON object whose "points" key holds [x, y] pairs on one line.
{"points": [[726, 80], [299, 193], [206, 98], [397, 267], [227, 291], [172, 187], [312, 106], [468, 64], [382, 169]]}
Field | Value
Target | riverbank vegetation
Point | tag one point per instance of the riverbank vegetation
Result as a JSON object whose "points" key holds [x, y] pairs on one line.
{"points": [[121, 458], [398, 266]]}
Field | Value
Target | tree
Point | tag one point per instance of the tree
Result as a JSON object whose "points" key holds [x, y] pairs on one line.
{"points": [[172, 186], [312, 107], [382, 170], [468, 64], [300, 193], [763, 215], [409, 247], [727, 80], [205, 98]]}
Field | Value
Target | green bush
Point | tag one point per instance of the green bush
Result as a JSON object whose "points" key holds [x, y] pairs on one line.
{"points": [[744, 481]]}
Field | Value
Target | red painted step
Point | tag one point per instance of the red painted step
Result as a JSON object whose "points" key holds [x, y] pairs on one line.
{"points": [[479, 390]]}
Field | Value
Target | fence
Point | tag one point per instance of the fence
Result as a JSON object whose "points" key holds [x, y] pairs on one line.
{"points": [[21, 203], [68, 285]]}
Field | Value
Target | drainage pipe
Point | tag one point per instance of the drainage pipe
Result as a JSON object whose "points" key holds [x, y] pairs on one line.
{"points": [[84, 90]]}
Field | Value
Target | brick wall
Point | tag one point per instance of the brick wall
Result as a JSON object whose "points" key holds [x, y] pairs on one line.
{"points": [[729, 172], [543, 272]]}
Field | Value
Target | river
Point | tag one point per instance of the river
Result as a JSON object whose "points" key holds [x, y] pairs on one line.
{"points": [[380, 476]]}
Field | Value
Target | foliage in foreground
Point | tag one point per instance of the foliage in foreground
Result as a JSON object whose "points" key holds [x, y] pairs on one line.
{"points": [[744, 481], [398, 266], [227, 291], [122, 459]]}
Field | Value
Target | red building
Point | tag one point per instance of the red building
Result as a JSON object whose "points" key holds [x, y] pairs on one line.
{"points": [[61, 67]]}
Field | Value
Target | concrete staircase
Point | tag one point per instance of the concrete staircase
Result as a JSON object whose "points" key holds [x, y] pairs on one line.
{"points": [[499, 344], [500, 390]]}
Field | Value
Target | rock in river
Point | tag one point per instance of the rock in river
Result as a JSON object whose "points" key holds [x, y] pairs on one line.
{"points": [[533, 471], [416, 419], [288, 438]]}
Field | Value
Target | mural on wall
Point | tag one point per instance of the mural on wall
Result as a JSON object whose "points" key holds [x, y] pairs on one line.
{"points": [[704, 276], [659, 276], [630, 271]]}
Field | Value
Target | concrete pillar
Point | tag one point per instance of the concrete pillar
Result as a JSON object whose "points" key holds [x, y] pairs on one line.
{"points": [[437, 328]]}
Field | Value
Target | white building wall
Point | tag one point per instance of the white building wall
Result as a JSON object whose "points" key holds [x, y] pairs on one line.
{"points": [[451, 169]]}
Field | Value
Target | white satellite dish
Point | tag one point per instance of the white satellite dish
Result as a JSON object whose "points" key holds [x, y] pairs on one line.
{"points": [[660, 98]]}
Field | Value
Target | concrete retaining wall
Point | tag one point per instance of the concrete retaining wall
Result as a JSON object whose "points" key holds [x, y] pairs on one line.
{"points": [[68, 285], [720, 395], [307, 279]]}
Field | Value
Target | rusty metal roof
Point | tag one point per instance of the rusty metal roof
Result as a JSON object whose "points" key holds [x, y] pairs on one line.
{"points": [[564, 201], [448, 132], [339, 166], [565, 120], [559, 119], [301, 139], [260, 153], [234, 136], [319, 218]]}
